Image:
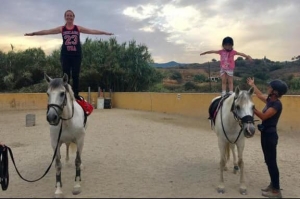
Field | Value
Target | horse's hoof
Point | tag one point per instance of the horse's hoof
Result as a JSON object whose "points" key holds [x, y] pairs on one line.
{"points": [[76, 190], [243, 191], [235, 169], [221, 190], [58, 195], [225, 168]]}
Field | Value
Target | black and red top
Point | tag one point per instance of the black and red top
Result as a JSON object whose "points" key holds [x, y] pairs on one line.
{"points": [[71, 41]]}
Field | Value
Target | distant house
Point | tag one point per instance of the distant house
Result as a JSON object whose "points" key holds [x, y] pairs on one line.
{"points": [[214, 79]]}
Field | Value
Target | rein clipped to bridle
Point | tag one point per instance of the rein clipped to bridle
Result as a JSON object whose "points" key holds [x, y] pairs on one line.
{"points": [[5, 150], [246, 119], [61, 107]]}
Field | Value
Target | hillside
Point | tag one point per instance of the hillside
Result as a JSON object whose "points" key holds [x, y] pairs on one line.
{"points": [[168, 64], [197, 75]]}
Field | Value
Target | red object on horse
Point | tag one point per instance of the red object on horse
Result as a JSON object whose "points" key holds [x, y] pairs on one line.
{"points": [[87, 107]]}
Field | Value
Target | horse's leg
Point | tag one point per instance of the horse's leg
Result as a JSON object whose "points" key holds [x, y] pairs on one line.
{"points": [[240, 147], [77, 186], [222, 148], [58, 166], [235, 164], [67, 153]]}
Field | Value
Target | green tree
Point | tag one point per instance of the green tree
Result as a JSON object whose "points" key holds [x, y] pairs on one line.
{"points": [[200, 78], [176, 75]]}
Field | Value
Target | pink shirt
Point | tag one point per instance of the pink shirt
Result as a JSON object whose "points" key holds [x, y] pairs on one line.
{"points": [[227, 59]]}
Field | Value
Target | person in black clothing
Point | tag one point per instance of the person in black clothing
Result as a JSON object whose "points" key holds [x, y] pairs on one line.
{"points": [[269, 137], [71, 48]]}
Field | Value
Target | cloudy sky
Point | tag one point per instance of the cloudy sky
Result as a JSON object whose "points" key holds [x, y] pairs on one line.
{"points": [[172, 29]]}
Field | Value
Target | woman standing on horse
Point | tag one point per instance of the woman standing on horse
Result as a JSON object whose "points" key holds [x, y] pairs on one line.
{"points": [[269, 137], [71, 47]]}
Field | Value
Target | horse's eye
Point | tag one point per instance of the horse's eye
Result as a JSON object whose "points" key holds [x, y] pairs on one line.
{"points": [[62, 94], [238, 107]]}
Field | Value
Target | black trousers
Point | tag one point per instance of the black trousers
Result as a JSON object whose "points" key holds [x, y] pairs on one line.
{"points": [[72, 64], [269, 146]]}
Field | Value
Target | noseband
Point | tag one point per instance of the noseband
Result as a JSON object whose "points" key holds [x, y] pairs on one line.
{"points": [[60, 108], [247, 119]]}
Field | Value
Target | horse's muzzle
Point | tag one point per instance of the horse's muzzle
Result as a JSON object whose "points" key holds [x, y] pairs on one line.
{"points": [[53, 116], [248, 125], [249, 130], [52, 119]]}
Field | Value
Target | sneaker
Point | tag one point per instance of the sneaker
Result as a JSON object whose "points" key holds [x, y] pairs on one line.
{"points": [[273, 193], [268, 188]]}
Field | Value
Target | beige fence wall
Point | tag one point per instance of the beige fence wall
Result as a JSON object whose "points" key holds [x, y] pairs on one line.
{"points": [[189, 104]]}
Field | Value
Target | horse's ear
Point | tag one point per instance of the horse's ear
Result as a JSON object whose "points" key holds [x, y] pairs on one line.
{"points": [[65, 78], [251, 91], [47, 78], [237, 91]]}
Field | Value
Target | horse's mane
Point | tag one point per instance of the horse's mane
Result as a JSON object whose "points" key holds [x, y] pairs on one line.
{"points": [[56, 83]]}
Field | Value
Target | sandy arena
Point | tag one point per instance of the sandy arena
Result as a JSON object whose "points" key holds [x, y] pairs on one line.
{"points": [[141, 154]]}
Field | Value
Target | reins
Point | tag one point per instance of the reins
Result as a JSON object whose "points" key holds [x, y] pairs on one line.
{"points": [[4, 171], [240, 121]]}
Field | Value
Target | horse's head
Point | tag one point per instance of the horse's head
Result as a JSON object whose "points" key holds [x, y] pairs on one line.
{"points": [[58, 89], [243, 109]]}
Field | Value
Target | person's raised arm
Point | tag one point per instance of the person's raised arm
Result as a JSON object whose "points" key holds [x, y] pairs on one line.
{"points": [[93, 32], [210, 52], [45, 32], [244, 55], [257, 92]]}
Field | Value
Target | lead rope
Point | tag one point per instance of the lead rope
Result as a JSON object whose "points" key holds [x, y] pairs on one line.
{"points": [[4, 171]]}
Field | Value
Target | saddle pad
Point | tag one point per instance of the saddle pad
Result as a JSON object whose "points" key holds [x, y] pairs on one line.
{"points": [[215, 106], [87, 107]]}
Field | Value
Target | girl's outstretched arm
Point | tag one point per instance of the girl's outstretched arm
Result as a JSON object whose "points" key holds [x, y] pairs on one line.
{"points": [[45, 32], [93, 32], [210, 52], [244, 55]]}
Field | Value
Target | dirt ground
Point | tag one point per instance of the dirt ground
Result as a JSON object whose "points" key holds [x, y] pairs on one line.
{"points": [[141, 154]]}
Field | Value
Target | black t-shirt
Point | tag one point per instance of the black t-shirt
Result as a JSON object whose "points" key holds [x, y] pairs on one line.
{"points": [[270, 124], [71, 41]]}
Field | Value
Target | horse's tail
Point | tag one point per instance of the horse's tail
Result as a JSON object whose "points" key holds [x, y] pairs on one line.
{"points": [[227, 152]]}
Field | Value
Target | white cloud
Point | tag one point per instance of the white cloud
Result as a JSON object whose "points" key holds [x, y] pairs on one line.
{"points": [[140, 12], [147, 29]]}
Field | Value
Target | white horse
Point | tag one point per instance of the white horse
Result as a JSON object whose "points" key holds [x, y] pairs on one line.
{"points": [[233, 122], [67, 125]]}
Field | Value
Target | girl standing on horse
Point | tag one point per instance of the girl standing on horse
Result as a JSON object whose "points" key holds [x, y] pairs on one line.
{"points": [[71, 53], [227, 63]]}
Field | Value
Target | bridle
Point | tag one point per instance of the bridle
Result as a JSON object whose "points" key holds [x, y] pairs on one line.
{"points": [[60, 108], [247, 119]]}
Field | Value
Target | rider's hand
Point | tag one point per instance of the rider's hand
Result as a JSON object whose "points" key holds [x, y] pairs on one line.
{"points": [[250, 81], [249, 58]]}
